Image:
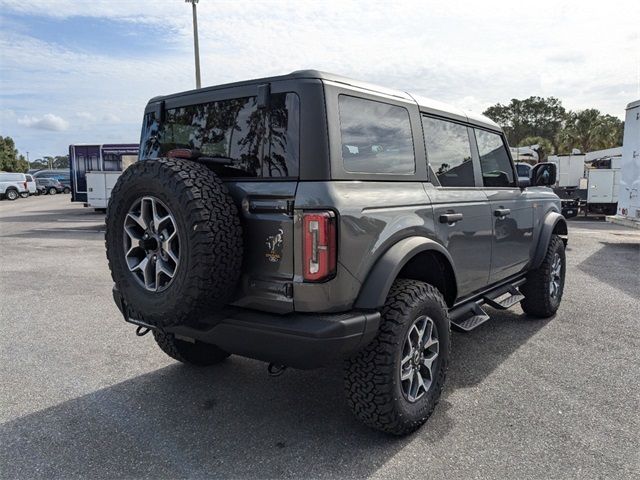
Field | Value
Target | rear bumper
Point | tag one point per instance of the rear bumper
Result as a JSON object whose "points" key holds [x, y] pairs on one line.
{"points": [[299, 340]]}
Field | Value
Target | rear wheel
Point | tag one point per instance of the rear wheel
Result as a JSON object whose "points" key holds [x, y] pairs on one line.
{"points": [[545, 285], [11, 194], [395, 382], [67, 190], [196, 353]]}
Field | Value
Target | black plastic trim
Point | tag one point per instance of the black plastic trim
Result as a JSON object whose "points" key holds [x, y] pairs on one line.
{"points": [[297, 340]]}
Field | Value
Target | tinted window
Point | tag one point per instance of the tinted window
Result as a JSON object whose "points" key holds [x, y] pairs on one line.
{"points": [[448, 152], [494, 160], [257, 142], [29, 178], [376, 137]]}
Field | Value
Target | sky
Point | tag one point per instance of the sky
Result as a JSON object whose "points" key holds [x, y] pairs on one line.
{"points": [[75, 71]]}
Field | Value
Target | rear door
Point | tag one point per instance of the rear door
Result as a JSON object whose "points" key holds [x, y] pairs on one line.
{"points": [[258, 144], [461, 211], [511, 206]]}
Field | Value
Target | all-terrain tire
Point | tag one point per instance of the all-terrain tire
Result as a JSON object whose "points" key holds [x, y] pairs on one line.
{"points": [[372, 377], [209, 234], [538, 299], [197, 353]]}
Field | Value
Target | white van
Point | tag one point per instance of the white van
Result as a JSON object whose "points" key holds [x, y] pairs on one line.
{"points": [[12, 185]]}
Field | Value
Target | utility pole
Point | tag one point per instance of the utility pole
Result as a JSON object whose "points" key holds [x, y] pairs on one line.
{"points": [[195, 40], [28, 163]]}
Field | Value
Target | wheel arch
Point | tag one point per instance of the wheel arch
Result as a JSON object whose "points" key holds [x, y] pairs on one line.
{"points": [[416, 258], [553, 224]]}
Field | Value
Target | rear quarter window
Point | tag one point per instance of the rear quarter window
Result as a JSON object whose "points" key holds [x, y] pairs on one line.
{"points": [[376, 137]]}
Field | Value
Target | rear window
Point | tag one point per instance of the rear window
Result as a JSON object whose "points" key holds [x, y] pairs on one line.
{"points": [[376, 137], [258, 143]]}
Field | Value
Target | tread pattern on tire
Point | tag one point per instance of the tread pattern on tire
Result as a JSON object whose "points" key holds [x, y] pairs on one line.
{"points": [[369, 376], [537, 300], [198, 353], [214, 237]]}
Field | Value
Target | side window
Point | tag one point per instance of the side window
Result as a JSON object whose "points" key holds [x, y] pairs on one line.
{"points": [[112, 162], [376, 137], [494, 160], [448, 152]]}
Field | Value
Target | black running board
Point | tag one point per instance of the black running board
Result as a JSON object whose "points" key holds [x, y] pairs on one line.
{"points": [[470, 315], [476, 317], [505, 300]]}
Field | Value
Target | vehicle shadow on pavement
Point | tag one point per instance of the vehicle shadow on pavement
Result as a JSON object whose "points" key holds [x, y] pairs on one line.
{"points": [[610, 264], [232, 420]]}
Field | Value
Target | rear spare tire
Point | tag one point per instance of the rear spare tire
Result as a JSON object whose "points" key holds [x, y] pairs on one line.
{"points": [[174, 241]]}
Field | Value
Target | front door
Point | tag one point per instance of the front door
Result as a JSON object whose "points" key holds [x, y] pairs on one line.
{"points": [[511, 207]]}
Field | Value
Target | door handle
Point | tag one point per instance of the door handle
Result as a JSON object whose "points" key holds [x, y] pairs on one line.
{"points": [[502, 212], [450, 218]]}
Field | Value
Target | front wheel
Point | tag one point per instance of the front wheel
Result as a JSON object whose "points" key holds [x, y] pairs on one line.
{"points": [[66, 190], [395, 382], [545, 285], [196, 353], [52, 191]]}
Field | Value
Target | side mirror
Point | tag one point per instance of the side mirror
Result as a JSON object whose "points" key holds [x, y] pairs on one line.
{"points": [[544, 174]]}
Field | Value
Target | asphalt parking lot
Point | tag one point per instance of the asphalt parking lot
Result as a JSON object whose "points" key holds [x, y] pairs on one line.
{"points": [[82, 396]]}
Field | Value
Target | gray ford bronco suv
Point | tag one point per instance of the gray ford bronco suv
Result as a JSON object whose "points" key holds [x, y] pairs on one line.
{"points": [[307, 218]]}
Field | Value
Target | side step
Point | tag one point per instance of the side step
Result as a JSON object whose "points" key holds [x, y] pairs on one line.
{"points": [[470, 314], [478, 317], [511, 297]]}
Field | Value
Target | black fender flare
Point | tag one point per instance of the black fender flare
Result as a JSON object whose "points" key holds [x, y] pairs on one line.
{"points": [[549, 224], [376, 287]]}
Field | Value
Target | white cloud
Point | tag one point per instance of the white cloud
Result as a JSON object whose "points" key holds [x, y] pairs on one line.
{"points": [[89, 117], [110, 118], [48, 121]]}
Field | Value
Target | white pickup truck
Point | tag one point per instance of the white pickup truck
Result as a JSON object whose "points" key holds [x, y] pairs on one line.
{"points": [[12, 185]]}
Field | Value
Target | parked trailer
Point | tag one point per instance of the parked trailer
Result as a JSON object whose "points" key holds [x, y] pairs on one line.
{"points": [[570, 169], [604, 184], [628, 212], [95, 169]]}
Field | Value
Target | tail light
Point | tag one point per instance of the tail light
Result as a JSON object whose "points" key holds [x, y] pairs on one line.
{"points": [[25, 186], [320, 243]]}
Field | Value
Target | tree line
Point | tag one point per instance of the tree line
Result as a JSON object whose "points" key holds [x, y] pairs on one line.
{"points": [[13, 161], [545, 122]]}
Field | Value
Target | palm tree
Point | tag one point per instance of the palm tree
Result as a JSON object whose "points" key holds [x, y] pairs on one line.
{"points": [[589, 130]]}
